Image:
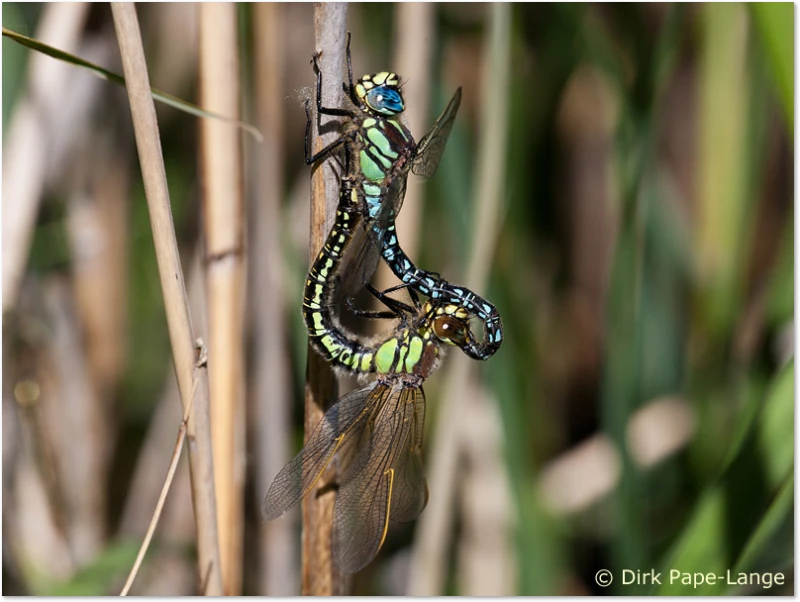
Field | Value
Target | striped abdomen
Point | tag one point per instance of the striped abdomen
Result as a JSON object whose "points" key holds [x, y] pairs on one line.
{"points": [[406, 352], [324, 335], [439, 289]]}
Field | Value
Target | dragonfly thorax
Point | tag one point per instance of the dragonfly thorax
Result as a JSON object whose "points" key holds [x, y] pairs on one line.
{"points": [[380, 93], [408, 352]]}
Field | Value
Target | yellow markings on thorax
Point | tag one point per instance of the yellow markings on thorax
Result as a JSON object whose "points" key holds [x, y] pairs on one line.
{"points": [[384, 358], [399, 355], [414, 353]]}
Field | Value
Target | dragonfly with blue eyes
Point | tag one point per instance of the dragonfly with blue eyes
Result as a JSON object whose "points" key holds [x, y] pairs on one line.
{"points": [[379, 151]]}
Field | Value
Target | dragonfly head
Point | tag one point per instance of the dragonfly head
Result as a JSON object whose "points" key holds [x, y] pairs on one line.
{"points": [[450, 325], [380, 92]]}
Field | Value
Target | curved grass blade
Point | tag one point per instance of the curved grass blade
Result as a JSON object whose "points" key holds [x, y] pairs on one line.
{"points": [[102, 73]]}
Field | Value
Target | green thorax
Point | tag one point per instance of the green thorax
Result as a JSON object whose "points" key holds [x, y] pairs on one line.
{"points": [[386, 146], [407, 352]]}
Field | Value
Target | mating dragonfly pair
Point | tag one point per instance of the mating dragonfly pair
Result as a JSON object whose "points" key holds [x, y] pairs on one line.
{"points": [[375, 433]]}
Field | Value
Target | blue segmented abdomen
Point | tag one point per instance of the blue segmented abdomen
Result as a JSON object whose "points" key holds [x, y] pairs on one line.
{"points": [[439, 289]]}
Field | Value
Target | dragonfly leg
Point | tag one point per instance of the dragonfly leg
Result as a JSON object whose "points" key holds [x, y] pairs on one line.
{"points": [[351, 90], [362, 313], [336, 112], [393, 304], [409, 286], [414, 297], [412, 292], [325, 151]]}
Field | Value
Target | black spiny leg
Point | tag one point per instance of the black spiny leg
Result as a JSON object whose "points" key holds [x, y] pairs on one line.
{"points": [[396, 306], [325, 151], [335, 112], [352, 90], [398, 309], [327, 110], [371, 315], [405, 285], [414, 298]]}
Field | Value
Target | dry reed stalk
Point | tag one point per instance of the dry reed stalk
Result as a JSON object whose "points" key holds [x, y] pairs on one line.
{"points": [[320, 576], [162, 498], [176, 303], [168, 572], [414, 32], [223, 225], [271, 399], [428, 564], [148, 475], [29, 135], [157, 446]]}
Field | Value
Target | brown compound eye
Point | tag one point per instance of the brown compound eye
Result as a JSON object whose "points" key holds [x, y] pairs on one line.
{"points": [[450, 330]]}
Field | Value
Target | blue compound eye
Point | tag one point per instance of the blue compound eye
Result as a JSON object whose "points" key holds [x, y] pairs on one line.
{"points": [[385, 100]]}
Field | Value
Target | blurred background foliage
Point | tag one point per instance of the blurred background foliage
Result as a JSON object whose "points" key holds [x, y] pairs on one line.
{"points": [[644, 272]]}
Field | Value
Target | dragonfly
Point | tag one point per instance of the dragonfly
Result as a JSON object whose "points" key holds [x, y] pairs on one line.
{"points": [[379, 152], [374, 435]]}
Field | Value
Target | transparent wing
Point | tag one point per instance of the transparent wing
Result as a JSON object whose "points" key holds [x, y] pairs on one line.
{"points": [[343, 422], [410, 491], [431, 147], [364, 252], [364, 498]]}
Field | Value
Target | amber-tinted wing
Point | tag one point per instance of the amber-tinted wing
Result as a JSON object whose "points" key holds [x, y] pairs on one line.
{"points": [[366, 490], [431, 147], [342, 423], [410, 491]]}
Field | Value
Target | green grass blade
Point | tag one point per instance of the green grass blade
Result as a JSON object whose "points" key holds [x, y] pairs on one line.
{"points": [[773, 539], [105, 74], [731, 514], [774, 23]]}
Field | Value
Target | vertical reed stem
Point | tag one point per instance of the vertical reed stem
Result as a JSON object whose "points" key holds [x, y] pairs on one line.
{"points": [[320, 574], [223, 212], [179, 322]]}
